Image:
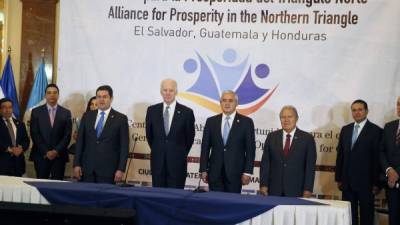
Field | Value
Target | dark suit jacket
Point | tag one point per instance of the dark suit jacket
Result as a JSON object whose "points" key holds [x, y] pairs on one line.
{"points": [[11, 165], [176, 146], [390, 152], [237, 156], [290, 175], [45, 137], [358, 168], [106, 154]]}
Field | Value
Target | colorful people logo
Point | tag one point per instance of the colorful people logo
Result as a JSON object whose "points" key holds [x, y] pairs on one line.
{"points": [[214, 78]]}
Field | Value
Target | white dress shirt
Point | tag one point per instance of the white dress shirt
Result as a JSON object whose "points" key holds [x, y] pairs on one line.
{"points": [[231, 118], [361, 126], [291, 136], [107, 112]]}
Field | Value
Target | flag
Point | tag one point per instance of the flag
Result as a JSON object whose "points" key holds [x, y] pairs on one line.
{"points": [[7, 83], [1, 93], [39, 87]]}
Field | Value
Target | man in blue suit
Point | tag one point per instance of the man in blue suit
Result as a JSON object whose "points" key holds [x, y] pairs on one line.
{"points": [[14, 141], [51, 128], [227, 148], [170, 135], [288, 160], [357, 163], [103, 142]]}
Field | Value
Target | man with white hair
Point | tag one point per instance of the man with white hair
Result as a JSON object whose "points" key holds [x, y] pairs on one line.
{"points": [[170, 135]]}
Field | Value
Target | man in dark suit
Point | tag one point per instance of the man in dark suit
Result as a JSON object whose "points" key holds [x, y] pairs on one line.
{"points": [[288, 160], [230, 138], [357, 163], [14, 141], [390, 161], [103, 142], [51, 128], [170, 135]]}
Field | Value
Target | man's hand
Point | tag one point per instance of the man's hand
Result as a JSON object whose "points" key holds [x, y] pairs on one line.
{"points": [[307, 194], [52, 154], [264, 190], [245, 179], [17, 151], [77, 172], [118, 176], [393, 177], [376, 190], [339, 185], [204, 177]]}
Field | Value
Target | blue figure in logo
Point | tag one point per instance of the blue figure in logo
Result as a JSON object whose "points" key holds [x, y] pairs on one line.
{"points": [[227, 75]]}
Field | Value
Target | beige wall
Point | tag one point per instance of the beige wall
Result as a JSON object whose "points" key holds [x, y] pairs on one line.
{"points": [[56, 43], [12, 35]]}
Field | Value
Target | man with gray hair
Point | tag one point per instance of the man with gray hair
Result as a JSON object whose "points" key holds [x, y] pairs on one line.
{"points": [[170, 135], [228, 148], [288, 160]]}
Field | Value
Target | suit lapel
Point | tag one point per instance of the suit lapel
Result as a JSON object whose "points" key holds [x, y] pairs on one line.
{"points": [[92, 116], [280, 143], [46, 116], [57, 117], [393, 130], [4, 128], [294, 143], [175, 118], [218, 129], [17, 130], [160, 114]]}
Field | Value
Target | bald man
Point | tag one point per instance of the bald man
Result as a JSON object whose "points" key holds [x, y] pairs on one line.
{"points": [[170, 135]]}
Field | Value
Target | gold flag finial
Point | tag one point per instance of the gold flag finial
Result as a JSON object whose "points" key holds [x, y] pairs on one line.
{"points": [[9, 50], [43, 51]]}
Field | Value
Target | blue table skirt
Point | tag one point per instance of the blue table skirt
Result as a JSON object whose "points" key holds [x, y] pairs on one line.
{"points": [[165, 206]]}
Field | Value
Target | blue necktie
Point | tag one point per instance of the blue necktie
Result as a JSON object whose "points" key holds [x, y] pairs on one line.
{"points": [[166, 120], [99, 127], [227, 127], [355, 135]]}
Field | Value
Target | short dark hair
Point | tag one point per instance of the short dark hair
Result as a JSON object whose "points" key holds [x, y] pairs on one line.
{"points": [[89, 102], [52, 86], [3, 100], [105, 88], [361, 102]]}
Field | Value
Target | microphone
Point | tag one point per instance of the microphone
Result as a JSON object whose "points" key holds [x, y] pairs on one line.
{"points": [[124, 183], [199, 189]]}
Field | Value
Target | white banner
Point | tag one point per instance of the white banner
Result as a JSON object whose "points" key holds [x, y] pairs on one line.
{"points": [[316, 55]]}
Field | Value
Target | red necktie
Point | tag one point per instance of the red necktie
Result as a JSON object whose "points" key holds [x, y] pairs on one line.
{"points": [[287, 145]]}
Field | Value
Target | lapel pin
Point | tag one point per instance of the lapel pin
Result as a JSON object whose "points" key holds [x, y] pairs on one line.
{"points": [[179, 112], [112, 116], [237, 121]]}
